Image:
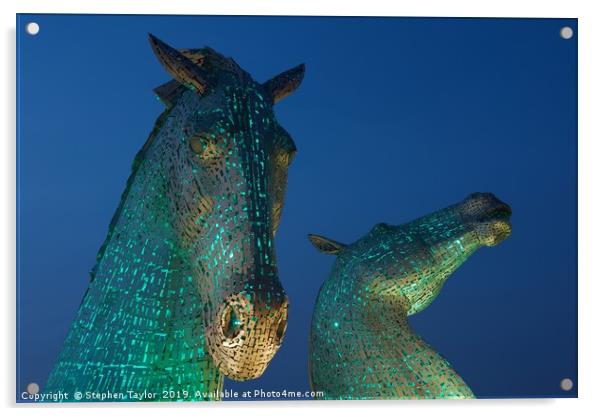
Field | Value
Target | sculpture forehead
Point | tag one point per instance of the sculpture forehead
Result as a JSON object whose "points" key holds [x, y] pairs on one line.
{"points": [[228, 113], [233, 99], [365, 259], [389, 244], [380, 238]]}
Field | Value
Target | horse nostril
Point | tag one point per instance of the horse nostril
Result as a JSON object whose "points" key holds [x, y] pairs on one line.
{"points": [[231, 324], [280, 330]]}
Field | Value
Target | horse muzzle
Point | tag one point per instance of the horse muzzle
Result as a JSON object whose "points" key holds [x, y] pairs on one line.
{"points": [[246, 332]]}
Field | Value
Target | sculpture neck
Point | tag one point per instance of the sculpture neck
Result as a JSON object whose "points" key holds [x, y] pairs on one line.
{"points": [[411, 367], [383, 358], [140, 324]]}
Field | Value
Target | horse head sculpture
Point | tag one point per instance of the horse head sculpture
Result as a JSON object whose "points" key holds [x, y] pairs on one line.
{"points": [[186, 287], [361, 344]]}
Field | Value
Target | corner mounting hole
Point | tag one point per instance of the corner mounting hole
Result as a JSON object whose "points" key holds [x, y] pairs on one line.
{"points": [[32, 28], [566, 384], [566, 32], [33, 388]]}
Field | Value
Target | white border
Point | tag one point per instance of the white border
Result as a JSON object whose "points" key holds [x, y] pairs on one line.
{"points": [[508, 8], [590, 162]]}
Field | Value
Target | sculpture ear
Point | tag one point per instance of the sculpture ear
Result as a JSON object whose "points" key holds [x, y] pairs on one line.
{"points": [[179, 66], [169, 92], [284, 84], [326, 245]]}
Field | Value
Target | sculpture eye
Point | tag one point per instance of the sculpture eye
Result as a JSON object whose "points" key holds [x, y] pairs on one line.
{"points": [[198, 143], [205, 145]]}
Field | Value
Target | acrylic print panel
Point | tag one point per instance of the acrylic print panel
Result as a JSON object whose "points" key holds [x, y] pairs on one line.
{"points": [[167, 185]]}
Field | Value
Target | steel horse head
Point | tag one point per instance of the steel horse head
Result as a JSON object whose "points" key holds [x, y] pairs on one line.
{"points": [[185, 289]]}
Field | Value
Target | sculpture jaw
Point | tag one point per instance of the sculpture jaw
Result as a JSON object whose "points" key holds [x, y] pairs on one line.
{"points": [[492, 232]]}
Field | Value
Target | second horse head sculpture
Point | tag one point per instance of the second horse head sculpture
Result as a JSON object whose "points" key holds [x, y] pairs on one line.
{"points": [[361, 344]]}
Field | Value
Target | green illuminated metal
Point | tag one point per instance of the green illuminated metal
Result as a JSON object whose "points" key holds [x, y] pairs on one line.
{"points": [[361, 344], [185, 289]]}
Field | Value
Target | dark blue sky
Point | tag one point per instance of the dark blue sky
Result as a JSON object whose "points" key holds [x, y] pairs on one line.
{"points": [[396, 118]]}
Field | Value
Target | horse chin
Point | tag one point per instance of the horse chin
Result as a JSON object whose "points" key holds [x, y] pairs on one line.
{"points": [[243, 373], [240, 359], [492, 232]]}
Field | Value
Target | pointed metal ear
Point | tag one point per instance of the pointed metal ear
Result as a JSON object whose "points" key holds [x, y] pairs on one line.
{"points": [[169, 92], [180, 67], [284, 84], [326, 245]]}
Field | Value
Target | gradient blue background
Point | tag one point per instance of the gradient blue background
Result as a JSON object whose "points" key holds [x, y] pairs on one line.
{"points": [[396, 118]]}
